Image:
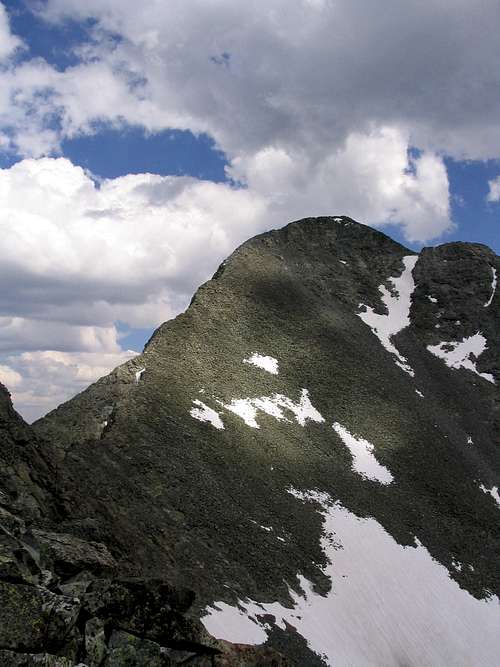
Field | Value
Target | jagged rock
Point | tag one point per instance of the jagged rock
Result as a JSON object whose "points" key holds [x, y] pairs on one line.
{"points": [[33, 619], [126, 650], [12, 659], [148, 608], [95, 642], [16, 564], [241, 655], [67, 555], [10, 522], [25, 476]]}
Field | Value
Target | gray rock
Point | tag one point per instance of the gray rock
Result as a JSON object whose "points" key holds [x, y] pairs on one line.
{"points": [[67, 555], [32, 619]]}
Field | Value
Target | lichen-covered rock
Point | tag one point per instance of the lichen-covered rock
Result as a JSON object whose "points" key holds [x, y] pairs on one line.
{"points": [[67, 555], [32, 619], [242, 655], [148, 608], [12, 659], [10, 522], [95, 642], [14, 562], [126, 650]]}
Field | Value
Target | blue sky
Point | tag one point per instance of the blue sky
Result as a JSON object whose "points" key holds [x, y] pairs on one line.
{"points": [[139, 145]]}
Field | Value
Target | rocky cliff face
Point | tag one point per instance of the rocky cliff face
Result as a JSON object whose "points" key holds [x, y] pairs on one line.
{"points": [[312, 448]]}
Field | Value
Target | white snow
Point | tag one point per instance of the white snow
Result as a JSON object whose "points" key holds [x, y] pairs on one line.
{"points": [[459, 356], [493, 492], [389, 605], [493, 286], [224, 621], [398, 311], [244, 408], [269, 364], [247, 408], [363, 458], [138, 375], [419, 393], [205, 414]]}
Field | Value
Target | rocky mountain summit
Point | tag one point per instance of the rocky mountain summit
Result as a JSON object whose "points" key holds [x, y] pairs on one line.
{"points": [[307, 461]]}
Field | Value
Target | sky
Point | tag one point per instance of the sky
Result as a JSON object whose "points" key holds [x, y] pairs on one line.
{"points": [[141, 143]]}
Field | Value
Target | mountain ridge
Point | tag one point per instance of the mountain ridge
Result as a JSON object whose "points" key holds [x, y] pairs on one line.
{"points": [[196, 457]]}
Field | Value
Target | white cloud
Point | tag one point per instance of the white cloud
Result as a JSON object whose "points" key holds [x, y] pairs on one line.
{"points": [[39, 381], [369, 178], [9, 377], [132, 249], [8, 42], [494, 190]]}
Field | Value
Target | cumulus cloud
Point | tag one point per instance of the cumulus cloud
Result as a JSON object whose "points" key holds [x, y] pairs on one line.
{"points": [[8, 42], [494, 190], [76, 257], [39, 381], [371, 178], [132, 249]]}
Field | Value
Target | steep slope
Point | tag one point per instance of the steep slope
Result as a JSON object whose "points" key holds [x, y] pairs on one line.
{"points": [[326, 380], [62, 599]]}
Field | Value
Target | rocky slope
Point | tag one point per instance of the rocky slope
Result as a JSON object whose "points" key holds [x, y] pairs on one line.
{"points": [[62, 599], [312, 448]]}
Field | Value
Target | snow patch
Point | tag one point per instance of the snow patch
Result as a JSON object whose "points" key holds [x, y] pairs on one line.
{"points": [[138, 375], [398, 311], [363, 458], [457, 354], [389, 605], [493, 286], [269, 364], [203, 413], [247, 408], [493, 493]]}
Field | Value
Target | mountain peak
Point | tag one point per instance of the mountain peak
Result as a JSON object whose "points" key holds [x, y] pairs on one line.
{"points": [[325, 409]]}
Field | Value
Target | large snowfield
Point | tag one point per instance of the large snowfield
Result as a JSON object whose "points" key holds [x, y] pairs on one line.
{"points": [[389, 605]]}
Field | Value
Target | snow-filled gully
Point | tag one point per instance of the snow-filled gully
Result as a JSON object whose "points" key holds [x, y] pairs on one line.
{"points": [[398, 311]]}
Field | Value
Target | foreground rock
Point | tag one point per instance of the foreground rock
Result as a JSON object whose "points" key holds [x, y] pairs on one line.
{"points": [[95, 622]]}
